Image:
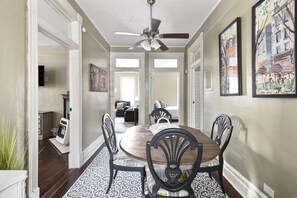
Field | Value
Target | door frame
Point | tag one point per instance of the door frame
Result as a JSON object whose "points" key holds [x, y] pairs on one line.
{"points": [[180, 70], [193, 64], [74, 44], [141, 80]]}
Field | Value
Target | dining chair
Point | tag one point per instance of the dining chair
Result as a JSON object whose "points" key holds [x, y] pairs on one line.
{"points": [[158, 113], [220, 133], [172, 179], [118, 161]]}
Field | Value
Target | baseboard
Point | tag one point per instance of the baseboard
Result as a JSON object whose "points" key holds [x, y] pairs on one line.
{"points": [[241, 184], [90, 150], [35, 193]]}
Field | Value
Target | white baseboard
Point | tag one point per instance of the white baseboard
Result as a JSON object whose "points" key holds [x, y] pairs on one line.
{"points": [[241, 184], [35, 193], [90, 150]]}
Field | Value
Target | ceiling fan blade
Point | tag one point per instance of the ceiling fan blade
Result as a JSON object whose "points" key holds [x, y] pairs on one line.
{"points": [[135, 45], [163, 46], [127, 34], [155, 24], [175, 35]]}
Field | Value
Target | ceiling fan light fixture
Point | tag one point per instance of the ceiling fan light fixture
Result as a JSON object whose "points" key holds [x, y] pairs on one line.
{"points": [[155, 44], [146, 45]]}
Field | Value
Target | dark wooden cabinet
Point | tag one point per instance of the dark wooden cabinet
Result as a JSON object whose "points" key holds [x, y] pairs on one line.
{"points": [[45, 124]]}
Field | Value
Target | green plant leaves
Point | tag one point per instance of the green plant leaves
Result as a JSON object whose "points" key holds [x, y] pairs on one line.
{"points": [[11, 158]]}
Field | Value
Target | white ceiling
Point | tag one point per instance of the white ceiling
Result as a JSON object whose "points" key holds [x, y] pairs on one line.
{"points": [[177, 16]]}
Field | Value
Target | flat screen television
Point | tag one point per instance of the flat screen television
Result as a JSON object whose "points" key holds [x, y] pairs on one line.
{"points": [[40, 75]]}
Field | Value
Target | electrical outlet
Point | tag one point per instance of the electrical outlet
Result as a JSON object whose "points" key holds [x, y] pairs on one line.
{"points": [[268, 190]]}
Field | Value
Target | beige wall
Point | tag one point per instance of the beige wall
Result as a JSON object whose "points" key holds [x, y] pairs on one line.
{"points": [[165, 88], [13, 62], [56, 66], [263, 145], [95, 104]]}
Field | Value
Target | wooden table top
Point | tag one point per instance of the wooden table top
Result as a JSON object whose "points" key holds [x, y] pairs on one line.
{"points": [[133, 143]]}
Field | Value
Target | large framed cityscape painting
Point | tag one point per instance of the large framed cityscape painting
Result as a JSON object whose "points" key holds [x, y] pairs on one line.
{"points": [[230, 59], [273, 48]]}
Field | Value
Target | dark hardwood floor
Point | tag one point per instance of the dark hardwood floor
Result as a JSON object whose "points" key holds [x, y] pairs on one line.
{"points": [[55, 178]]}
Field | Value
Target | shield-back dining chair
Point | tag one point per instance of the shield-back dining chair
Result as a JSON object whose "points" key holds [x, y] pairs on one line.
{"points": [[158, 113], [170, 179], [222, 126], [118, 161]]}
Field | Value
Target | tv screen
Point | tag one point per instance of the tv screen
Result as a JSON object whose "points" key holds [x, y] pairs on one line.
{"points": [[40, 75]]}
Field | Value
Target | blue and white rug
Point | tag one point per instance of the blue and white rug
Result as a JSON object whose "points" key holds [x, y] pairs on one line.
{"points": [[93, 182]]}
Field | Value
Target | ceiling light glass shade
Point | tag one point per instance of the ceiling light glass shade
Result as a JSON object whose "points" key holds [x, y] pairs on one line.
{"points": [[146, 45], [155, 44]]}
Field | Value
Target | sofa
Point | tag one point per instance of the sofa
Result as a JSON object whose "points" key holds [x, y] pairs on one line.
{"points": [[120, 107]]}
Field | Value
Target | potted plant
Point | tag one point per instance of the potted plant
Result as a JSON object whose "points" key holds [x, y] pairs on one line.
{"points": [[12, 162]]}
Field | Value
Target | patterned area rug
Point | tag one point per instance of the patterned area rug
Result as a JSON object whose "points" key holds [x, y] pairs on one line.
{"points": [[93, 183]]}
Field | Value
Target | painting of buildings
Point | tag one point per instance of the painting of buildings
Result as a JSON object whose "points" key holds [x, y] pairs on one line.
{"points": [[274, 48]]}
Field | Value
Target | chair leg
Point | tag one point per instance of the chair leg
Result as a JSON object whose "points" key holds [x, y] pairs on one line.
{"points": [[115, 174], [110, 179], [221, 178], [209, 174], [143, 176]]}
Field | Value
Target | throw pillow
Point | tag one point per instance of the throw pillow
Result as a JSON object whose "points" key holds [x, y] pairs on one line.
{"points": [[163, 104], [120, 105], [157, 104]]}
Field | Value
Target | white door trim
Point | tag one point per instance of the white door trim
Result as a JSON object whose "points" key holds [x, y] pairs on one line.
{"points": [[75, 83], [32, 99], [192, 65]]}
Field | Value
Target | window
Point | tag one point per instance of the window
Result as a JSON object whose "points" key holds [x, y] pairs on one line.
{"points": [[127, 63], [165, 63], [286, 33], [287, 46], [128, 88], [278, 49], [278, 36], [286, 16], [277, 20]]}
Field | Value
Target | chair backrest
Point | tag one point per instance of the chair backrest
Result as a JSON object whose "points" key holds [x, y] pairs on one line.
{"points": [[109, 135], [156, 114], [221, 125], [173, 143]]}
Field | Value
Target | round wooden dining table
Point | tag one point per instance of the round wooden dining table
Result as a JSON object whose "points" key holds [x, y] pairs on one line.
{"points": [[133, 144]]}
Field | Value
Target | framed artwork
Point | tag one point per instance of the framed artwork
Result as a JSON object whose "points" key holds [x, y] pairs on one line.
{"points": [[230, 59], [98, 78], [273, 48]]}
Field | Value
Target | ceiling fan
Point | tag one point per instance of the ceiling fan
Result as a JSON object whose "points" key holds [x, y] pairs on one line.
{"points": [[152, 36]]}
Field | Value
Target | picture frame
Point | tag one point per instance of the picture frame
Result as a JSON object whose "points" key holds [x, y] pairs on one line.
{"points": [[273, 49], [98, 79], [230, 59]]}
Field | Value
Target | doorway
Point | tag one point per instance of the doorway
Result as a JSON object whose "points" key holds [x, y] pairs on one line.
{"points": [[196, 84], [128, 82], [39, 24], [53, 61], [166, 82]]}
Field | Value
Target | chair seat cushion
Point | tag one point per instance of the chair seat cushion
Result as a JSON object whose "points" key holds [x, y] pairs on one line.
{"points": [[162, 192], [213, 162], [122, 159]]}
